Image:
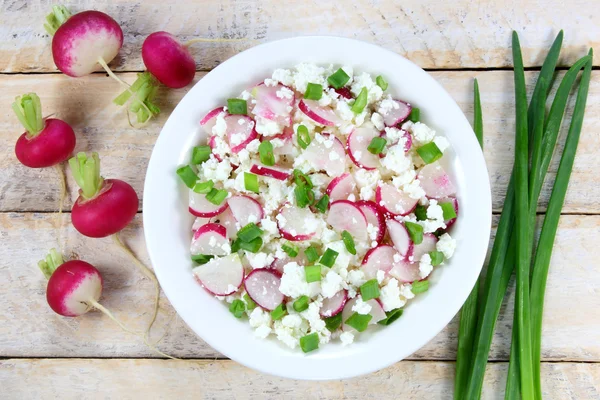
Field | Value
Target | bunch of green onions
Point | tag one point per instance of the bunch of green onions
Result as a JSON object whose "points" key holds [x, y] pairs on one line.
{"points": [[515, 247]]}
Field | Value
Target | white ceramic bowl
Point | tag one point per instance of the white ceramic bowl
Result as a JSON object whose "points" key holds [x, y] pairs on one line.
{"points": [[167, 222]]}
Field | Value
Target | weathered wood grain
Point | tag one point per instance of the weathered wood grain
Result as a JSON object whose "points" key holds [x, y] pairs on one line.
{"points": [[202, 379], [434, 34], [101, 126], [28, 328]]}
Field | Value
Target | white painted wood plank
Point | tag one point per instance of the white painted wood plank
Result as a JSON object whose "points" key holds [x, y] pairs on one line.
{"points": [[434, 34]]}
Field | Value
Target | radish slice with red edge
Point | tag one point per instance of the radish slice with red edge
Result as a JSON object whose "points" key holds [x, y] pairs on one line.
{"points": [[325, 157], [397, 114], [334, 305], [345, 215], [454, 201], [245, 209], [279, 263], [400, 237], [210, 119], [212, 144], [394, 201], [321, 115], [374, 217], [227, 219], [358, 143], [211, 240], [435, 181], [262, 285], [200, 207], [405, 271], [221, 276], [271, 172], [427, 245], [286, 137], [198, 222], [296, 223], [274, 103], [381, 258], [240, 131], [341, 187], [376, 313]]}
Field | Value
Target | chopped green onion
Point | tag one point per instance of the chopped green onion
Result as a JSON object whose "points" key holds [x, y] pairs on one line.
{"points": [[265, 150], [309, 342], [290, 249], [359, 321], [381, 82], [430, 152], [377, 145], [415, 115], [332, 323], [237, 308], [312, 273], [437, 257], [203, 187], [249, 232], [200, 154], [201, 258], [421, 212], [323, 203], [303, 136], [250, 304], [391, 316], [304, 196], [369, 290], [415, 231], [237, 106], [338, 79], [251, 182], [216, 196], [314, 91], [420, 286], [328, 258], [252, 246], [311, 254], [448, 210], [361, 101], [348, 242], [301, 303], [302, 179], [279, 312], [187, 175]]}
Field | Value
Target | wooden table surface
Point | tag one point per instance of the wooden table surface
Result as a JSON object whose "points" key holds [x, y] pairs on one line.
{"points": [[44, 355]]}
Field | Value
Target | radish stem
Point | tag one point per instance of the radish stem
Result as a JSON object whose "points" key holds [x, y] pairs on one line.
{"points": [[28, 109], [56, 18], [52, 261], [86, 172], [143, 90]]}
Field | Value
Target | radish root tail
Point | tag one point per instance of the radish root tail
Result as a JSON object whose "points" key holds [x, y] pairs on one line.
{"points": [[150, 276], [61, 201]]}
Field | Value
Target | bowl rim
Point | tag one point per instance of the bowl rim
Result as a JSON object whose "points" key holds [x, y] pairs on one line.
{"points": [[310, 370]]}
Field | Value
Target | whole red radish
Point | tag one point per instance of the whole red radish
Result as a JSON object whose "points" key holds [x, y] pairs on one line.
{"points": [[83, 41], [168, 60], [104, 207], [46, 142]]}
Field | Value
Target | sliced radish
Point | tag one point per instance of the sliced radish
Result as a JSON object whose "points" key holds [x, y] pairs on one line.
{"points": [[198, 222], [400, 237], [210, 119], [330, 159], [428, 244], [227, 219], [200, 207], [357, 145], [288, 144], [435, 181], [274, 103], [334, 305], [221, 276], [212, 144], [262, 285], [393, 200], [376, 313], [272, 172], [341, 187], [405, 271], [245, 209], [211, 240], [294, 223], [374, 217], [279, 263], [345, 215], [240, 131], [344, 92], [381, 258], [408, 143], [454, 201], [321, 115], [398, 113]]}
